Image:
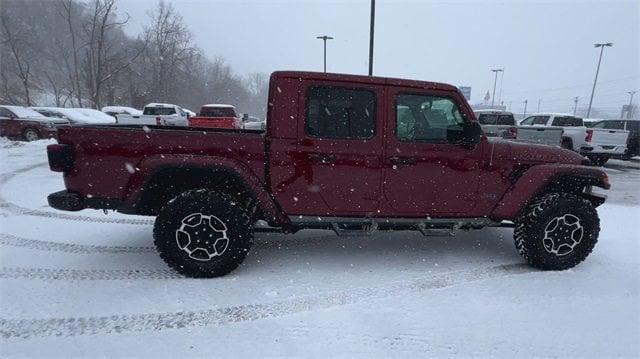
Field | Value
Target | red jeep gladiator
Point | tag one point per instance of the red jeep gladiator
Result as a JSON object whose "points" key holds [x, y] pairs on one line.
{"points": [[349, 153], [216, 116]]}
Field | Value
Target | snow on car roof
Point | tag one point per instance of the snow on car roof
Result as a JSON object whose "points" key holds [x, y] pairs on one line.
{"points": [[554, 114], [493, 111], [218, 105], [119, 109], [155, 104], [23, 111]]}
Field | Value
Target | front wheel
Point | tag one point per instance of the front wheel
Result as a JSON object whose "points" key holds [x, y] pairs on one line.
{"points": [[30, 134], [557, 231], [203, 234]]}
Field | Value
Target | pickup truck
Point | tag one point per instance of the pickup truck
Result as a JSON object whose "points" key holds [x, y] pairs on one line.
{"points": [[598, 145], [496, 123], [633, 142], [216, 116], [161, 114], [336, 155]]}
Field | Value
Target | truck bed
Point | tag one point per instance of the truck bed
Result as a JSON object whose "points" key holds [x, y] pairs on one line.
{"points": [[109, 159]]}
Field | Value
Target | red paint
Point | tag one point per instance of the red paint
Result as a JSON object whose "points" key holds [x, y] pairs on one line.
{"points": [[304, 175], [212, 116]]}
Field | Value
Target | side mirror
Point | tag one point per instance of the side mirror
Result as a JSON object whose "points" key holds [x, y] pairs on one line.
{"points": [[472, 134]]}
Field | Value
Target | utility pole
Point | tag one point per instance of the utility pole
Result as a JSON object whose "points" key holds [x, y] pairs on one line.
{"points": [[630, 108], [524, 115], [575, 105], [495, 80], [601, 46], [371, 27], [324, 39], [539, 100]]}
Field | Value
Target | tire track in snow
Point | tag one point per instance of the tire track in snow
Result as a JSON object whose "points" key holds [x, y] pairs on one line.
{"points": [[87, 274], [73, 326], [41, 245]]}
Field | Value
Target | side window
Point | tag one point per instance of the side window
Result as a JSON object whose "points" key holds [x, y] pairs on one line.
{"points": [[540, 120], [337, 112], [528, 121], [423, 118], [614, 125], [5, 113]]}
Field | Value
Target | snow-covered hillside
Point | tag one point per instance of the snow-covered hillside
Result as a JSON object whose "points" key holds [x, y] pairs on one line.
{"points": [[89, 284]]}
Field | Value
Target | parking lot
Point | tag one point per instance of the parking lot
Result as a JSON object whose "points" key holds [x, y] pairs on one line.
{"points": [[87, 283]]}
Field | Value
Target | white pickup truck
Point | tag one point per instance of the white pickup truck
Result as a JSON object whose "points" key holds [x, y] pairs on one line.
{"points": [[596, 144], [496, 123], [161, 114]]}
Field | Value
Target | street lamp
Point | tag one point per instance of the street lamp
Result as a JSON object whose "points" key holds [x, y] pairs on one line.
{"points": [[371, 27], [601, 46], [494, 84], [324, 38], [501, 81], [524, 114], [630, 108]]}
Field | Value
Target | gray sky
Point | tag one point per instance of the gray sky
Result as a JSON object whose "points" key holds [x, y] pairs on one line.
{"points": [[545, 47]]}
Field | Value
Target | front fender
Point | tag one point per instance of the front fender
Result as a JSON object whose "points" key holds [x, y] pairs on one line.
{"points": [[539, 178], [149, 166]]}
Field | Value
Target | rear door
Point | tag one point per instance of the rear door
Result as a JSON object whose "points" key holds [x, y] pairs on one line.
{"points": [[428, 172], [338, 161]]}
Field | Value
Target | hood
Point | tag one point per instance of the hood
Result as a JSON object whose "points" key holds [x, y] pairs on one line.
{"points": [[530, 153]]}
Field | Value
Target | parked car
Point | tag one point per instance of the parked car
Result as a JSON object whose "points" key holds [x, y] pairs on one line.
{"points": [[596, 144], [253, 123], [333, 158], [633, 142], [113, 111], [160, 114], [17, 122], [496, 123], [73, 115], [216, 116], [98, 116]]}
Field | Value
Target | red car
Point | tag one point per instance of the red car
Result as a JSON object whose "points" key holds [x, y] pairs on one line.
{"points": [[21, 123], [336, 155], [216, 116]]}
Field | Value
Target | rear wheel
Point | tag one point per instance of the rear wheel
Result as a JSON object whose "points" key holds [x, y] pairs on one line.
{"points": [[30, 134], [557, 231], [203, 234]]}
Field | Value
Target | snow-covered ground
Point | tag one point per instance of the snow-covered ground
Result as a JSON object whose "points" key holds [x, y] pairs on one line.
{"points": [[88, 284]]}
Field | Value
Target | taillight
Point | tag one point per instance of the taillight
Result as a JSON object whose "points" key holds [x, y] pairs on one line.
{"points": [[589, 136], [60, 157]]}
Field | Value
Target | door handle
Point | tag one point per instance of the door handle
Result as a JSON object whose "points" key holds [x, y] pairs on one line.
{"points": [[403, 161], [322, 158]]}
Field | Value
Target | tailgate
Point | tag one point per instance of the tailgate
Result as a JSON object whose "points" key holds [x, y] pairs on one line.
{"points": [[603, 136], [541, 135]]}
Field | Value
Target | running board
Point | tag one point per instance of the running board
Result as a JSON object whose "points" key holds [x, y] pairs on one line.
{"points": [[362, 226]]}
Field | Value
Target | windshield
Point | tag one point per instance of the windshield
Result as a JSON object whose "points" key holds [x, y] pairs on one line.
{"points": [[159, 111], [24, 112], [218, 112]]}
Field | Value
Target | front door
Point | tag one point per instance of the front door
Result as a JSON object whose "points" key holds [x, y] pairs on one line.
{"points": [[429, 172]]}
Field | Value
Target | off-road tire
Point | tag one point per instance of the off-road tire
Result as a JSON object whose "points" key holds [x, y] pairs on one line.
{"points": [[30, 134], [531, 230], [171, 217]]}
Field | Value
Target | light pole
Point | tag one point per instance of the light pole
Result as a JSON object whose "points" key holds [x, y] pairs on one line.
{"points": [[371, 27], [575, 105], [539, 101], [501, 81], [630, 108], [524, 115], [324, 39], [601, 46], [495, 80]]}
